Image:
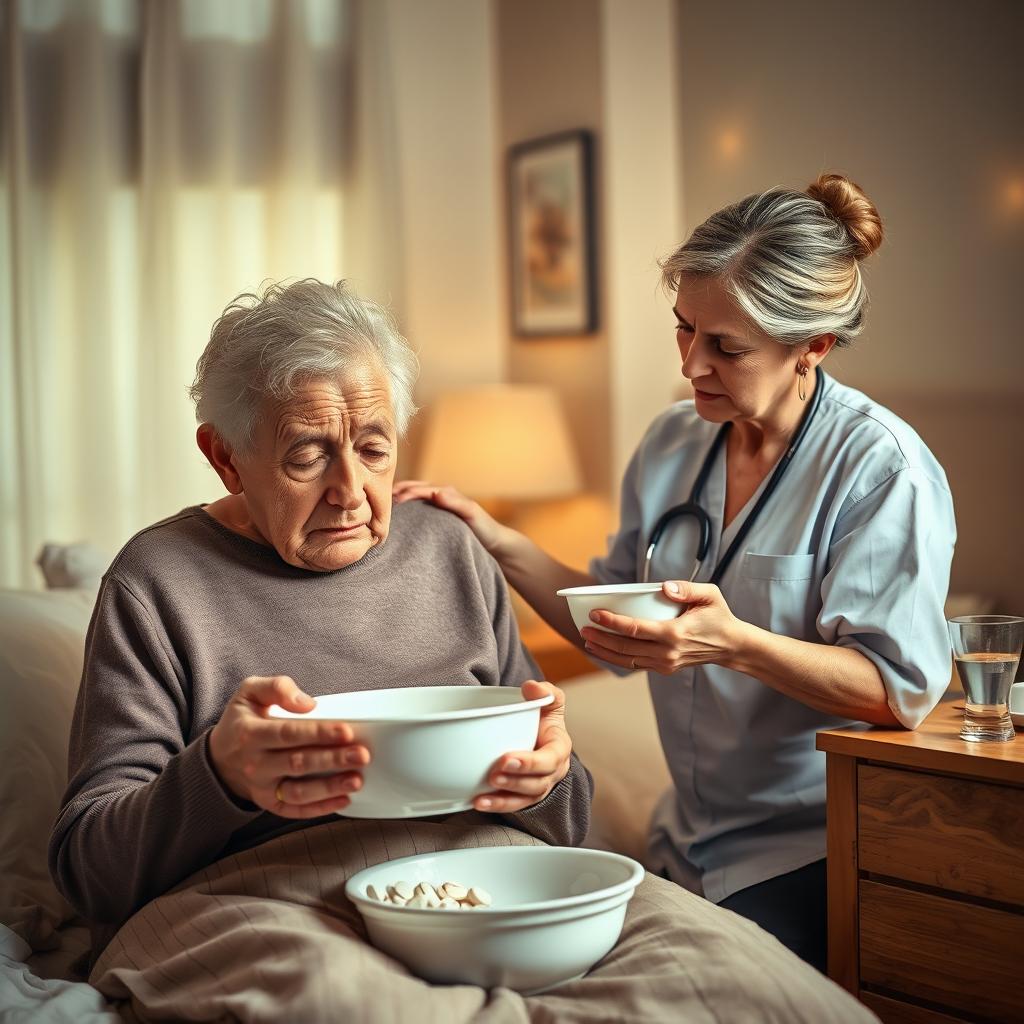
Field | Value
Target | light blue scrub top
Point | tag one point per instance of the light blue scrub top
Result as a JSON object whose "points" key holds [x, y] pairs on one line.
{"points": [[854, 549]]}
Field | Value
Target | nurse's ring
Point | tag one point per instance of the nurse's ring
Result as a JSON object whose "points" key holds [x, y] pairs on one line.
{"points": [[277, 792]]}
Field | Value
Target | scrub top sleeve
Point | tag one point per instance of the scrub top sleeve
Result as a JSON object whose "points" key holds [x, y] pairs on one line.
{"points": [[619, 564], [886, 584]]}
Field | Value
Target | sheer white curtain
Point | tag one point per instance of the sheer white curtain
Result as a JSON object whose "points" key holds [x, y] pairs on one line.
{"points": [[156, 158]]}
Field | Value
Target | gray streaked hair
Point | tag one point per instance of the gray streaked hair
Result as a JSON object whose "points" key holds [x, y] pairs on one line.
{"points": [[791, 260], [266, 343]]}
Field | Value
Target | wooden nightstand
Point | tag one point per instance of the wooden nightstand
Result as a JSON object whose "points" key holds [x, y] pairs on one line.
{"points": [[926, 871]]}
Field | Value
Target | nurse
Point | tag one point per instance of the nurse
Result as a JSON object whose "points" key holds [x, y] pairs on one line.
{"points": [[819, 599]]}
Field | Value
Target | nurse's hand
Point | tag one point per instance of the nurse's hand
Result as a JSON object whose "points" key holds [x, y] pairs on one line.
{"points": [[522, 778], [706, 632], [487, 529]]}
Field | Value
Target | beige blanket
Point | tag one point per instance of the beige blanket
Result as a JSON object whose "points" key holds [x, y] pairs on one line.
{"points": [[268, 935]]}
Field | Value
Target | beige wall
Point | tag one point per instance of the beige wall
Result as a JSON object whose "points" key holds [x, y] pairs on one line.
{"points": [[448, 194], [608, 66], [642, 212], [919, 101], [549, 80]]}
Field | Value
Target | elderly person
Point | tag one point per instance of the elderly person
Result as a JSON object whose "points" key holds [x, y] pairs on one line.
{"points": [[816, 596], [197, 833]]}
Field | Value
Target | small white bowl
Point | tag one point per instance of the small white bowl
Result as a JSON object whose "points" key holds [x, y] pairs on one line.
{"points": [[556, 911], [637, 600], [1017, 704], [431, 747]]}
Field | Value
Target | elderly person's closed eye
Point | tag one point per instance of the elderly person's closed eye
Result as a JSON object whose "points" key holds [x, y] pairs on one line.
{"points": [[302, 580]]}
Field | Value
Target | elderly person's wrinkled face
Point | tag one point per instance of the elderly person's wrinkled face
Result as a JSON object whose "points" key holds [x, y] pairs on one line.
{"points": [[317, 484]]}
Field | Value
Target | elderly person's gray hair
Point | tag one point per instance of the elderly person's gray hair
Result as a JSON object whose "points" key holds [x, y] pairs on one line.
{"points": [[791, 260], [265, 344]]}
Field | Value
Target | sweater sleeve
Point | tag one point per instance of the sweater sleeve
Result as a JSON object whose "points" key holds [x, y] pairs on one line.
{"points": [[562, 818], [144, 807]]}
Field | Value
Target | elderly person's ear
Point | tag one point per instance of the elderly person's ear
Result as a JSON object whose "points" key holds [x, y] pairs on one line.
{"points": [[218, 453]]}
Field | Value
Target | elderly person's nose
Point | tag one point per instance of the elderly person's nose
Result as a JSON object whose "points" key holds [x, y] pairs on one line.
{"points": [[345, 486]]}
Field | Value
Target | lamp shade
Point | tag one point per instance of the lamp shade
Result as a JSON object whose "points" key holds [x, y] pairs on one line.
{"points": [[502, 441]]}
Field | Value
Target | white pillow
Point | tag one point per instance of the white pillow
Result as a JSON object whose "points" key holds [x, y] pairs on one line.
{"points": [[42, 643], [79, 566], [614, 732]]}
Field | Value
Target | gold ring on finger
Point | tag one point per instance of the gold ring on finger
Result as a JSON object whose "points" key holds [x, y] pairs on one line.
{"points": [[277, 792]]}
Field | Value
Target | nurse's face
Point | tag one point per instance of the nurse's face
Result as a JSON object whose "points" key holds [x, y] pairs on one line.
{"points": [[737, 371]]}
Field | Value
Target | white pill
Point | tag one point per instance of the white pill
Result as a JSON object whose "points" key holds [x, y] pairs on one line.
{"points": [[403, 889], [424, 895], [479, 897]]}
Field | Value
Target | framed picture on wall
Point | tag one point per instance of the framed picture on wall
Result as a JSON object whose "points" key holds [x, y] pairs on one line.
{"points": [[552, 235]]}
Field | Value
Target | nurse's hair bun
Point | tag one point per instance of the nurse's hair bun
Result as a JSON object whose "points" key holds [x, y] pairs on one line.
{"points": [[846, 201]]}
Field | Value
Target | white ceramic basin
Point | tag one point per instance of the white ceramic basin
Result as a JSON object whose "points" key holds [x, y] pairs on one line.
{"points": [[432, 747], [556, 912]]}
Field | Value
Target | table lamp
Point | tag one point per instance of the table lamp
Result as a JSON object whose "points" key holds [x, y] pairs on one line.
{"points": [[508, 447], [500, 443]]}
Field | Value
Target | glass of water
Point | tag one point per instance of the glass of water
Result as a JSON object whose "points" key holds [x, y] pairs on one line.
{"points": [[986, 649]]}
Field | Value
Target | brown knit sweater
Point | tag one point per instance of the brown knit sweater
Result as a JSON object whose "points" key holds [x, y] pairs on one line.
{"points": [[187, 610]]}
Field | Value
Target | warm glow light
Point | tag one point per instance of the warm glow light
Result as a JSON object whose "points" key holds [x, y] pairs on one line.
{"points": [[729, 141], [502, 441], [1014, 194]]}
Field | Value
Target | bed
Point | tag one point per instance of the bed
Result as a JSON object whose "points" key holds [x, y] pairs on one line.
{"points": [[43, 945]]}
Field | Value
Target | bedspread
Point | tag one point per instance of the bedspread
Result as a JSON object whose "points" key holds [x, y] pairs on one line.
{"points": [[268, 935]]}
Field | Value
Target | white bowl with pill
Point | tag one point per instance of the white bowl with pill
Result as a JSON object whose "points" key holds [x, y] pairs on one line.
{"points": [[637, 600], [533, 917], [431, 747]]}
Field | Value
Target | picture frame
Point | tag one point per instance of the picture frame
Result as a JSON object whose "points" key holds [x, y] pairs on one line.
{"points": [[551, 235]]}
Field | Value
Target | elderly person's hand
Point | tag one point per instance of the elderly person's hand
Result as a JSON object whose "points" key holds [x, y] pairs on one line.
{"points": [[293, 768], [706, 632], [524, 777]]}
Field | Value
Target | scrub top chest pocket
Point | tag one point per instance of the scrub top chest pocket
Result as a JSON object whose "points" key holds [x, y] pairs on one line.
{"points": [[776, 592]]}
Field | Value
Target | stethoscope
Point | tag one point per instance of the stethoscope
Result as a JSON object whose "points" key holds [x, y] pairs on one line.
{"points": [[692, 506]]}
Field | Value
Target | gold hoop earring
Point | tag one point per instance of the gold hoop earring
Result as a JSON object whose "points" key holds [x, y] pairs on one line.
{"points": [[801, 384]]}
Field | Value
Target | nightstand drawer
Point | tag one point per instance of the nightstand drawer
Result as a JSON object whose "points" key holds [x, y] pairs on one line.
{"points": [[893, 1011], [943, 951], [955, 834]]}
